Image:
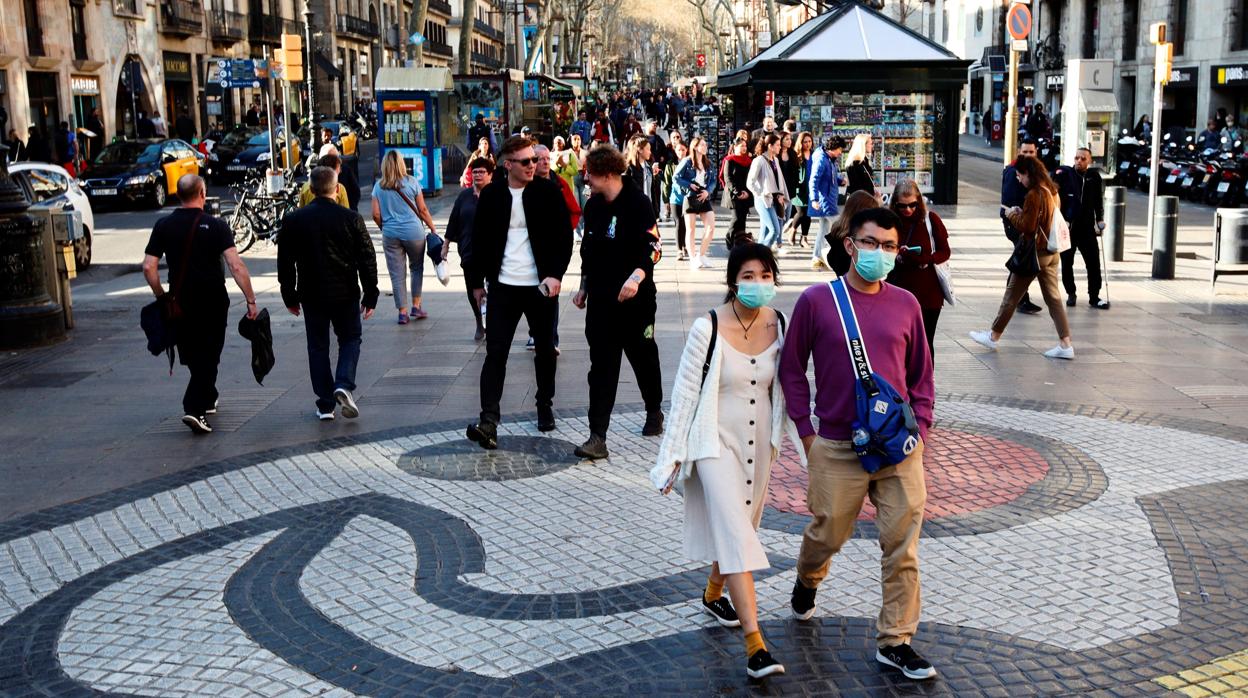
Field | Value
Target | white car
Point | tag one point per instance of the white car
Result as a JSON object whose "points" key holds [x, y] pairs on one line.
{"points": [[50, 186]]}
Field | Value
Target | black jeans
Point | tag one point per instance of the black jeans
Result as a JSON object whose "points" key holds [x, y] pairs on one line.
{"points": [[678, 210], [1086, 244], [344, 316], [930, 318], [201, 337], [614, 329], [740, 209], [506, 305]]}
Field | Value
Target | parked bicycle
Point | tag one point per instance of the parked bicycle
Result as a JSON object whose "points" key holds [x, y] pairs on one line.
{"points": [[258, 216]]}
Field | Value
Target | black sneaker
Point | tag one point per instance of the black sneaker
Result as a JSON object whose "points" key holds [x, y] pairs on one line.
{"points": [[802, 601], [347, 401], [1029, 308], [198, 423], [594, 448], [1099, 304], [763, 664], [213, 409], [905, 658], [545, 419], [653, 425], [484, 434], [723, 612], [1070, 301]]}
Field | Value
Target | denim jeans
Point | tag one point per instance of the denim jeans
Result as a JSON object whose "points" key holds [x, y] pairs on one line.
{"points": [[344, 316], [400, 256], [769, 224]]}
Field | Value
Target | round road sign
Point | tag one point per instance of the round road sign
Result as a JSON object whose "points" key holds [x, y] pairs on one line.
{"points": [[1018, 21]]}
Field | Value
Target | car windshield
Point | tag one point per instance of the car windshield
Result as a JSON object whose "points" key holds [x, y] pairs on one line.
{"points": [[236, 137], [130, 154], [261, 138]]}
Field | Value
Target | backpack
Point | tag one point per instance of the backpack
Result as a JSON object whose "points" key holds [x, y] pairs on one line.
{"points": [[885, 431]]}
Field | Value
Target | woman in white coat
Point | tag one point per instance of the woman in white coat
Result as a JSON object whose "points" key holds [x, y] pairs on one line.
{"points": [[723, 435], [767, 184]]}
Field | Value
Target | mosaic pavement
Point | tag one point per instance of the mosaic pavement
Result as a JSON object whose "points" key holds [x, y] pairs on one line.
{"points": [[1067, 550]]}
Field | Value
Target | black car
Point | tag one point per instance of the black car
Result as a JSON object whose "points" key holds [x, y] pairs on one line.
{"points": [[142, 171], [224, 150], [254, 158]]}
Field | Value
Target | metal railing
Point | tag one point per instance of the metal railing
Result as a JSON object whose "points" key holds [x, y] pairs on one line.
{"points": [[488, 62], [440, 6], [483, 28], [357, 26], [438, 48], [265, 28], [226, 25], [181, 17]]}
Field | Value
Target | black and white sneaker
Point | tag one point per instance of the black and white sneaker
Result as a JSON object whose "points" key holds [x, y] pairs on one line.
{"points": [[904, 657], [763, 664], [325, 416], [723, 612], [347, 401], [802, 601], [198, 423], [213, 409]]}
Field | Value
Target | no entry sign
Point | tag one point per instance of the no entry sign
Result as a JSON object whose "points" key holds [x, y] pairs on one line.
{"points": [[1018, 21]]}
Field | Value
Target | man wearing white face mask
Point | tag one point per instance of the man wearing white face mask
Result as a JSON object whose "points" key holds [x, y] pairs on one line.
{"points": [[891, 326]]}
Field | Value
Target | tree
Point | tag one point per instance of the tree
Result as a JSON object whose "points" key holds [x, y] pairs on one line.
{"points": [[466, 28], [416, 25]]}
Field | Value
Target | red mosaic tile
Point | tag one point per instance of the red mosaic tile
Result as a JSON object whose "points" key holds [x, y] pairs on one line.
{"points": [[965, 472]]}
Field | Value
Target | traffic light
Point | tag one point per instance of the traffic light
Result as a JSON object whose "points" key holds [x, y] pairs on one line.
{"points": [[291, 57], [1163, 62]]}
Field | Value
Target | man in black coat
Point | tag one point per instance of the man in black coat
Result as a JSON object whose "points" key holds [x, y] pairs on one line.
{"points": [[184, 126], [618, 253], [522, 244], [324, 258], [1087, 220]]}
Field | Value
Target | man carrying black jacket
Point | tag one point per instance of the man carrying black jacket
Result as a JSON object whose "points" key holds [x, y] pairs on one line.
{"points": [[322, 250], [1087, 192], [522, 244], [618, 254]]}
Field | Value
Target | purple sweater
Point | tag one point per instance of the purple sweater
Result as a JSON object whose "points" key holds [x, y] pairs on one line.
{"points": [[892, 328]]}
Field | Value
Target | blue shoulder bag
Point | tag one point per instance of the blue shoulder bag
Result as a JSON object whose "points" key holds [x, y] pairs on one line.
{"points": [[885, 432]]}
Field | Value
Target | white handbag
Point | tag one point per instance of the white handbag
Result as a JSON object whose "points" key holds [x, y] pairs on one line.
{"points": [[943, 273]]}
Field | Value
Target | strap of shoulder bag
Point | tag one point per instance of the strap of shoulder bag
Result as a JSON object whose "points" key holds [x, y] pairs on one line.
{"points": [[931, 235], [710, 348], [849, 325], [399, 190], [176, 288]]}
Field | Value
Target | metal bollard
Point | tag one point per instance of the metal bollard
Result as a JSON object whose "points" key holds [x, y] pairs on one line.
{"points": [[1115, 222], [1165, 236]]}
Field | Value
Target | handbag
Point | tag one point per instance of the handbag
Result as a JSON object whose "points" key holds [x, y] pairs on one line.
{"points": [[943, 273], [885, 431], [433, 243], [1024, 260]]}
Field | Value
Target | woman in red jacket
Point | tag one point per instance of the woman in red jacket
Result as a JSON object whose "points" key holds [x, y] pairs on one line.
{"points": [[916, 271]]}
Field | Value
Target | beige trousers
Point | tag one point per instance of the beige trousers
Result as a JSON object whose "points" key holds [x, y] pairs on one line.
{"points": [[1017, 285], [835, 493]]}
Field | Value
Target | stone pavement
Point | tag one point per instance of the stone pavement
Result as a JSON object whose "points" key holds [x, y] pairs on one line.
{"points": [[1085, 529]]}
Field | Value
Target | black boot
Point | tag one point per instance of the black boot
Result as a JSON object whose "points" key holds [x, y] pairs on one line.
{"points": [[545, 419], [485, 434], [594, 448], [654, 424]]}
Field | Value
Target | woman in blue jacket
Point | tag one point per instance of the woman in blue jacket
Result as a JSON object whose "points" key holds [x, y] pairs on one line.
{"points": [[825, 187]]}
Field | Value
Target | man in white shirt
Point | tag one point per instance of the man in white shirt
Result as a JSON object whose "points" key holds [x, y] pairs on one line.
{"points": [[522, 240]]}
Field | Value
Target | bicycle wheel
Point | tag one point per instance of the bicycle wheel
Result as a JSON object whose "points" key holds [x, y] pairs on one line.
{"points": [[244, 232]]}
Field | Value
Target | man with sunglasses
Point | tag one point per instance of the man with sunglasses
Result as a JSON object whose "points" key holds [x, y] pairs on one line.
{"points": [[521, 244], [891, 326]]}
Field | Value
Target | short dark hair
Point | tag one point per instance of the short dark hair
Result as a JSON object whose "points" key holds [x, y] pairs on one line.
{"points": [[1028, 140], [323, 181], [514, 144], [744, 253], [330, 160], [833, 142], [481, 162], [605, 161], [881, 217], [1085, 149]]}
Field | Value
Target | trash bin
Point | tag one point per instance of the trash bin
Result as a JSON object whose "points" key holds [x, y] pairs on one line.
{"points": [[62, 227], [1230, 243]]}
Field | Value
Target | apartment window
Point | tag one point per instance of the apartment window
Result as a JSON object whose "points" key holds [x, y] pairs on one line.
{"points": [[78, 22], [944, 26], [1180, 26], [1092, 34], [1130, 29], [1243, 25], [34, 33]]}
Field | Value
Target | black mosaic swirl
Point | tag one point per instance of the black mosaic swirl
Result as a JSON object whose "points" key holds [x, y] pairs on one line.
{"points": [[517, 458]]}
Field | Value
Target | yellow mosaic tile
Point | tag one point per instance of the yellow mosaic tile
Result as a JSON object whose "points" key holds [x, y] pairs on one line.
{"points": [[1226, 677]]}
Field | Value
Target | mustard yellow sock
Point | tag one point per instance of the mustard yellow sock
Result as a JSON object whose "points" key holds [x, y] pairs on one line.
{"points": [[754, 643], [714, 590]]}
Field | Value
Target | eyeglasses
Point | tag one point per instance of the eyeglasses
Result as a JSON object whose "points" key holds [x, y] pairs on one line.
{"points": [[525, 162], [480, 171], [909, 207], [873, 244]]}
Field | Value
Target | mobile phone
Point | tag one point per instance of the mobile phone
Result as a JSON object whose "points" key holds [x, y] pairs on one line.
{"points": [[543, 289], [914, 248]]}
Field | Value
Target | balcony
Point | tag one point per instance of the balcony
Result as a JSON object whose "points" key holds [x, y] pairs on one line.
{"points": [[486, 30], [128, 8], [441, 7], [265, 29], [437, 48], [487, 62], [357, 27], [181, 17], [226, 26]]}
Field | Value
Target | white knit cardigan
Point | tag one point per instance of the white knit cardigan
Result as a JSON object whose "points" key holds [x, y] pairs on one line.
{"points": [[764, 182], [692, 431]]}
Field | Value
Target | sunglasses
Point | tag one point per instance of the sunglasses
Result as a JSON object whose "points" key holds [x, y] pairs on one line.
{"points": [[526, 162], [910, 206]]}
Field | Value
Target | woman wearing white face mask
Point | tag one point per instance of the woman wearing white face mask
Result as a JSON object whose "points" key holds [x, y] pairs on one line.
{"points": [[724, 432]]}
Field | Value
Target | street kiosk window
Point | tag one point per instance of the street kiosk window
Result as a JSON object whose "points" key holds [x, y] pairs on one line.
{"points": [[404, 121]]}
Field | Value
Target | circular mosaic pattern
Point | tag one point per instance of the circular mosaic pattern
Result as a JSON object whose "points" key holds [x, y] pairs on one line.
{"points": [[517, 458]]}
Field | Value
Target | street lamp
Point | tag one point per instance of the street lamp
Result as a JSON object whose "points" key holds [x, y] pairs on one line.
{"points": [[314, 133]]}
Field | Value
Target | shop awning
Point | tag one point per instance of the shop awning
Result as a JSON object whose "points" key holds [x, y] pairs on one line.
{"points": [[850, 34], [328, 66], [1098, 100], [414, 79]]}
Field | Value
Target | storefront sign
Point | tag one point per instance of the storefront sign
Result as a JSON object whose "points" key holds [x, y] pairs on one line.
{"points": [[1055, 82], [177, 67], [1236, 74], [84, 85], [1183, 77]]}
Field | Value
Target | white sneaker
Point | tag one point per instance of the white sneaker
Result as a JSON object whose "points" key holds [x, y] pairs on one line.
{"points": [[347, 402], [984, 338], [705, 263], [694, 263], [325, 416], [1061, 352]]}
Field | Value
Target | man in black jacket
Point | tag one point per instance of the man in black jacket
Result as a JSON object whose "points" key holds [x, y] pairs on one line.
{"points": [[618, 254], [522, 244], [322, 250], [459, 231], [1086, 223]]}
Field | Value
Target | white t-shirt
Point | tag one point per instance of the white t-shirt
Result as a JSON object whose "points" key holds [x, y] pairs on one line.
{"points": [[519, 266]]}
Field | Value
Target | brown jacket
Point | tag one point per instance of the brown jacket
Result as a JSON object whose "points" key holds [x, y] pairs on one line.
{"points": [[1037, 215]]}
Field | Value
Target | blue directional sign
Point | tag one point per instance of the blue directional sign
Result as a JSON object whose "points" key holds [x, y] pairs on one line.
{"points": [[242, 72]]}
